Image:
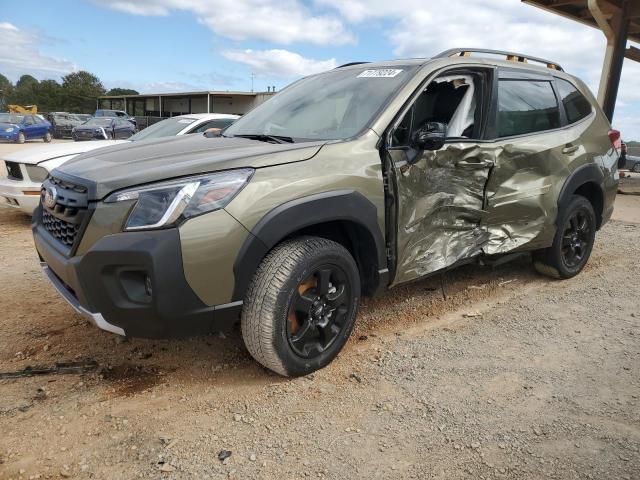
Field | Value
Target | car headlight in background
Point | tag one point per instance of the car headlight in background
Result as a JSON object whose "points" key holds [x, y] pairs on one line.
{"points": [[9, 129], [163, 204], [37, 174]]}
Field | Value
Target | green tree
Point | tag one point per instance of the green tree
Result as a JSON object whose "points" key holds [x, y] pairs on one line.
{"points": [[6, 92], [49, 96], [81, 90], [122, 91], [25, 91]]}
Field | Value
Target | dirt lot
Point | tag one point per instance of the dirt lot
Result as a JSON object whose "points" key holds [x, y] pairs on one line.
{"points": [[514, 376]]}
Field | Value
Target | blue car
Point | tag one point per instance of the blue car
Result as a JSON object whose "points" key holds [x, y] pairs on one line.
{"points": [[20, 128]]}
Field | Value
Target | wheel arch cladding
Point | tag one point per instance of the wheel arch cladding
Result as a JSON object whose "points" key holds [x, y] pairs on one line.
{"points": [[586, 181], [345, 216]]}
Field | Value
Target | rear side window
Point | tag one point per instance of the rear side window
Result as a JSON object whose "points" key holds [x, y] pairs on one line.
{"points": [[576, 106], [526, 106]]}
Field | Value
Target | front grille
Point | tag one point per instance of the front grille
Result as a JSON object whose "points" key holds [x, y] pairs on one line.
{"points": [[64, 220], [63, 231], [13, 170]]}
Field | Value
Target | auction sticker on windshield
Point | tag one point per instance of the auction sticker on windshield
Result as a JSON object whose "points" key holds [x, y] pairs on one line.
{"points": [[381, 73]]}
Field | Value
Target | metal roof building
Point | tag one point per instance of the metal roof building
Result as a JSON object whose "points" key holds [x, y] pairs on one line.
{"points": [[172, 104]]}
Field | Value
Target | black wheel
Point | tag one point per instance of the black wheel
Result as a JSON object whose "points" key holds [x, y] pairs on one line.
{"points": [[47, 137], [21, 137], [573, 242], [636, 168], [301, 305]]}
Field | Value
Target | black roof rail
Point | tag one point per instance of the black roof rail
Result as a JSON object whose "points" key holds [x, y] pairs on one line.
{"points": [[349, 64], [514, 57]]}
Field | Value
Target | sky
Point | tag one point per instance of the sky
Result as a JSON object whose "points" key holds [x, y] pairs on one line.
{"points": [[157, 46]]}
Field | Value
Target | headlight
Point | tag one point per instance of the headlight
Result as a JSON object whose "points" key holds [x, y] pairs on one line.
{"points": [[163, 204], [9, 130], [37, 174]]}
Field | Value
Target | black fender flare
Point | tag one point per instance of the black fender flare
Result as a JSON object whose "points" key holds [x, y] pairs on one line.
{"points": [[282, 221], [589, 173]]}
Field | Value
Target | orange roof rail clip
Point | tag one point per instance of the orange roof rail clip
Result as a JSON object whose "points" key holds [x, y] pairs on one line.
{"points": [[511, 56]]}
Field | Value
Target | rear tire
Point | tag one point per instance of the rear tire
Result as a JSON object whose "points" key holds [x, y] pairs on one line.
{"points": [[47, 137], [636, 168], [301, 305], [572, 244], [21, 138]]}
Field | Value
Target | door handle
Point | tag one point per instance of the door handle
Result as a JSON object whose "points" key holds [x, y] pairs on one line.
{"points": [[474, 164], [569, 149]]}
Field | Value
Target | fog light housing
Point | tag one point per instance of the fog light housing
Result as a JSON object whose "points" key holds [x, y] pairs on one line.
{"points": [[148, 285]]}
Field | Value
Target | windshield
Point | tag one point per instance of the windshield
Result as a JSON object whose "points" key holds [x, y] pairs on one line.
{"points": [[164, 128], [9, 118], [98, 122], [334, 105]]}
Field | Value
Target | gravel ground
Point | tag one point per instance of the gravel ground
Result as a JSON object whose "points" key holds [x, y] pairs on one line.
{"points": [[513, 376]]}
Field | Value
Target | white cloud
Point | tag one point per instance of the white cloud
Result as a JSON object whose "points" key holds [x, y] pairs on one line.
{"points": [[283, 21], [20, 54], [416, 28], [281, 64]]}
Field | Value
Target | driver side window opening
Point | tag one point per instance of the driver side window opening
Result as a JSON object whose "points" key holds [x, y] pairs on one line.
{"points": [[453, 99]]}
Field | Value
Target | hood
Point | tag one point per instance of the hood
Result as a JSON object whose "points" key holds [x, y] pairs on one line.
{"points": [[35, 155], [4, 125], [150, 161], [90, 127]]}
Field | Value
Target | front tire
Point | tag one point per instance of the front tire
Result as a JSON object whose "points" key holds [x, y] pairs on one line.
{"points": [[636, 168], [301, 305], [21, 138], [573, 242]]}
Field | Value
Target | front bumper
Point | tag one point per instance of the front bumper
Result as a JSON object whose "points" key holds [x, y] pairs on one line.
{"points": [[80, 135], [12, 194], [133, 284], [96, 318], [12, 136]]}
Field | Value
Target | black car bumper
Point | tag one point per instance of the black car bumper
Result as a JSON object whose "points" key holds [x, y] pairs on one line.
{"points": [[133, 284], [79, 135]]}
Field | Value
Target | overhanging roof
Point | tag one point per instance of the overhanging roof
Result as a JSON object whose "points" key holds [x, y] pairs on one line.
{"points": [[578, 10], [213, 93]]}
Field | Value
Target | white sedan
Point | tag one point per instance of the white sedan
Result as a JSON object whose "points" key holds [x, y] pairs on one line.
{"points": [[22, 172]]}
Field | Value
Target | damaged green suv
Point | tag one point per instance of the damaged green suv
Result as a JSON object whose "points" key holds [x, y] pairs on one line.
{"points": [[344, 184]]}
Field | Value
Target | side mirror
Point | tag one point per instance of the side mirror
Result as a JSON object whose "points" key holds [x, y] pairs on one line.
{"points": [[429, 136]]}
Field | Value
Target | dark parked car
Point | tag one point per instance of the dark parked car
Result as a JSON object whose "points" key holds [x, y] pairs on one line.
{"points": [[63, 123], [103, 129], [115, 114], [632, 163], [20, 128]]}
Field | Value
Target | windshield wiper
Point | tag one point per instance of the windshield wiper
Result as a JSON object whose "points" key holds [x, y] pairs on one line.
{"points": [[267, 138]]}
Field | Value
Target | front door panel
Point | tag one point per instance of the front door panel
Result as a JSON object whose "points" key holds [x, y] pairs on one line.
{"points": [[440, 207]]}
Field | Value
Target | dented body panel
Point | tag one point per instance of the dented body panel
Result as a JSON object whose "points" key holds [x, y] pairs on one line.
{"points": [[440, 208]]}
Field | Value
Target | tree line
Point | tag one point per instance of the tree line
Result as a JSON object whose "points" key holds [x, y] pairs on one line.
{"points": [[77, 93]]}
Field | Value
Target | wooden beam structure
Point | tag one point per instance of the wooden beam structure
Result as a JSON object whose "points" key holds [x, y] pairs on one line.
{"points": [[619, 21]]}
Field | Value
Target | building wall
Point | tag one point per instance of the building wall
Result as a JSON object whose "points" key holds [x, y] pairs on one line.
{"points": [[231, 104], [179, 105]]}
